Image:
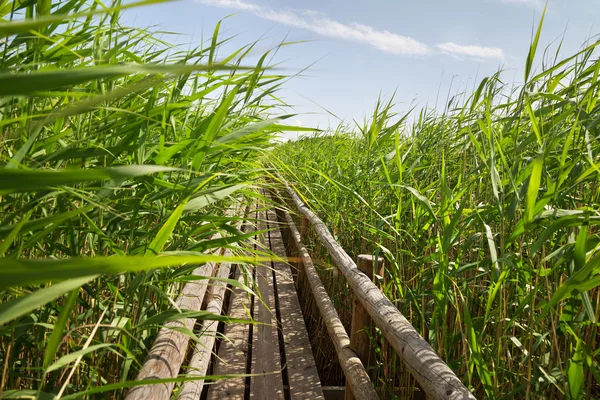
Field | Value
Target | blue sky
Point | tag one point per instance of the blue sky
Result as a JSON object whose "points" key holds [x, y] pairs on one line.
{"points": [[422, 50]]}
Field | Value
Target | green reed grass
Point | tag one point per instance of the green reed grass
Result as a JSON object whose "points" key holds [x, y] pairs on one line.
{"points": [[119, 155], [488, 218]]}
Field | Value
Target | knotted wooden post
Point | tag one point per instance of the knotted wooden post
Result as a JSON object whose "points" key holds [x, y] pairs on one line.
{"points": [[362, 323]]}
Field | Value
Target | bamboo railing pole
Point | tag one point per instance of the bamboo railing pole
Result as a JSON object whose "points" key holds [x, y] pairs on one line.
{"points": [[356, 375], [203, 349], [430, 371], [170, 346], [202, 352]]}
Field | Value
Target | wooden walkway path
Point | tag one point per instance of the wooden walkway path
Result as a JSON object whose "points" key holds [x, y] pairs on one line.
{"points": [[276, 350], [271, 358]]}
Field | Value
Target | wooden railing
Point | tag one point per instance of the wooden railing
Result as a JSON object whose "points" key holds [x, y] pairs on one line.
{"points": [[370, 307], [170, 346], [353, 368], [436, 379]]}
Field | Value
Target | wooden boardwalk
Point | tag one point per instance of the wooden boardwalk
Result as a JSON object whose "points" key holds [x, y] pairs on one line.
{"points": [[276, 350], [263, 350]]}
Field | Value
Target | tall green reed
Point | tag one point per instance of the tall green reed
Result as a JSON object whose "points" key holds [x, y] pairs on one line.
{"points": [[119, 154], [488, 217]]}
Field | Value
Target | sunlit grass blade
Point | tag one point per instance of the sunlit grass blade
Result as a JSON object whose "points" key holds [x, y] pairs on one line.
{"points": [[22, 180], [16, 272]]}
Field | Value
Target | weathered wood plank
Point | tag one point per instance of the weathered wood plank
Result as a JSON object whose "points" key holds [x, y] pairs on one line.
{"points": [[355, 373], [169, 348], [430, 371], [302, 372], [233, 351], [203, 350], [267, 383]]}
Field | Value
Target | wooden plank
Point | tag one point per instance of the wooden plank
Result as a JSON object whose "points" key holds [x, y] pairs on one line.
{"points": [[356, 375], [233, 351], [437, 380], [301, 369], [169, 348], [232, 355], [267, 384], [203, 349]]}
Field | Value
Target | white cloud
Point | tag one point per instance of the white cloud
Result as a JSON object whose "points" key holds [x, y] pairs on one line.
{"points": [[479, 52], [383, 40], [235, 4], [312, 21], [537, 4]]}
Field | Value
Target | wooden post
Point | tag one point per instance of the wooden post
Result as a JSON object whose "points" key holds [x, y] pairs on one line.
{"points": [[356, 375], [301, 278], [387, 356], [380, 272], [303, 228], [361, 321]]}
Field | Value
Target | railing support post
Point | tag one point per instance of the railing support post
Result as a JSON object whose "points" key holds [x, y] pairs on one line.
{"points": [[362, 323], [303, 234], [304, 228]]}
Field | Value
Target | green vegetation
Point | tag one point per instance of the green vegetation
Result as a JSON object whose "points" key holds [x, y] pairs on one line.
{"points": [[488, 218], [119, 155]]}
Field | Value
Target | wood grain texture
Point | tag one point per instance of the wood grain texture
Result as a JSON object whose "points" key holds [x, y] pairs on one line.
{"points": [[356, 375], [361, 323], [267, 381], [301, 369], [203, 349], [169, 348], [233, 352], [431, 372]]}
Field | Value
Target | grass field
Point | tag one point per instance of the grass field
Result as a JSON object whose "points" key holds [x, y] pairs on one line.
{"points": [[487, 215]]}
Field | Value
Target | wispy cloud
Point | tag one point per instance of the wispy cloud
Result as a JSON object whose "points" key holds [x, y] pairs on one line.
{"points": [[537, 4], [235, 4], [383, 40], [479, 52]]}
